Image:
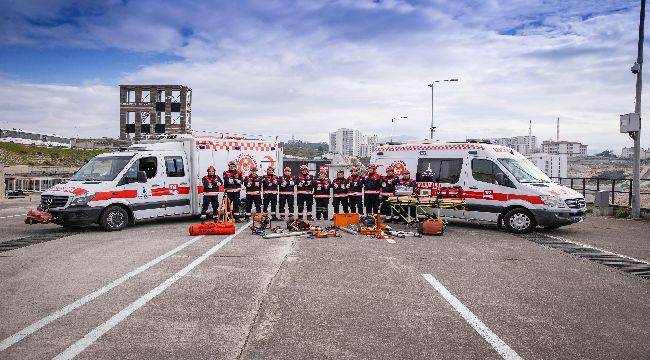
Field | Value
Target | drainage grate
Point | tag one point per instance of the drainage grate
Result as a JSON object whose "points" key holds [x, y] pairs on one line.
{"points": [[627, 264], [33, 239]]}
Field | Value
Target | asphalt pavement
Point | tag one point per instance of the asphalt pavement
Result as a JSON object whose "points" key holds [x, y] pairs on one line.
{"points": [[153, 291]]}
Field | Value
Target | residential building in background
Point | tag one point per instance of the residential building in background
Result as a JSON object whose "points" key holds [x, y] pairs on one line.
{"points": [[553, 166], [352, 142], [628, 153], [522, 144], [154, 109], [30, 138], [569, 148]]}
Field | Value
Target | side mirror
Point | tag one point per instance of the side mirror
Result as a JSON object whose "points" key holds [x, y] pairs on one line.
{"points": [[142, 177]]}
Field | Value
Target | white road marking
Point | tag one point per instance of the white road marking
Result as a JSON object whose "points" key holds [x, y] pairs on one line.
{"points": [[390, 241], [502, 348], [11, 216], [595, 248], [102, 329], [11, 340]]}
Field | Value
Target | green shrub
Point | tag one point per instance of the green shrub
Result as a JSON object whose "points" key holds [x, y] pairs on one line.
{"points": [[622, 213]]}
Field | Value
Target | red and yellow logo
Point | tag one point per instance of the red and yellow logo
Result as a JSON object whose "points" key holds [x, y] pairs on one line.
{"points": [[245, 163], [398, 167]]}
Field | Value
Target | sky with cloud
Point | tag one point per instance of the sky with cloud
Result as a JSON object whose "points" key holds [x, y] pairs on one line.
{"points": [[306, 68]]}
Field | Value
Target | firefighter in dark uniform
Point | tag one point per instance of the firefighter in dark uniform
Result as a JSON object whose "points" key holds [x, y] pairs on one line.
{"points": [[371, 187], [388, 183], [211, 184], [409, 183], [253, 185], [270, 191], [286, 191], [355, 191], [340, 186], [305, 191], [322, 194], [232, 180]]}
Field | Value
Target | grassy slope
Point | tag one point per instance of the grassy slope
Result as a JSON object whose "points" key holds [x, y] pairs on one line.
{"points": [[18, 154]]}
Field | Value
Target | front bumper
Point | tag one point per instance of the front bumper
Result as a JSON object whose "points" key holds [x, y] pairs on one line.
{"points": [[558, 218], [76, 215]]}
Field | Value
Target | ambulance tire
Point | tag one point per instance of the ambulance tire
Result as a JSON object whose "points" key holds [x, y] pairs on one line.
{"points": [[519, 221], [114, 218]]}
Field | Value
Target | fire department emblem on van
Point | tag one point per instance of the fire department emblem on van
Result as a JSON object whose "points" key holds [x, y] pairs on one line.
{"points": [[398, 167], [245, 163]]}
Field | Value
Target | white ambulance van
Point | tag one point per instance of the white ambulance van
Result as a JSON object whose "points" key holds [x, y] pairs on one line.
{"points": [[499, 184], [152, 179]]}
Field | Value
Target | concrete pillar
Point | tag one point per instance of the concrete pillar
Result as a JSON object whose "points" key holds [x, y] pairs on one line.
{"points": [[2, 181], [168, 108]]}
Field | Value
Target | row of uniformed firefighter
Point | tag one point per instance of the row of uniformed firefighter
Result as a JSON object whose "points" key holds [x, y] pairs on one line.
{"points": [[273, 195]]}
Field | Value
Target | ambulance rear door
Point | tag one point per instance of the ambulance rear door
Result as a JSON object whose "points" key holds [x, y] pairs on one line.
{"points": [[438, 172]]}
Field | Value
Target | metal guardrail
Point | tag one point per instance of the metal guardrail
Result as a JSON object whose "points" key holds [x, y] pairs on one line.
{"points": [[621, 187]]}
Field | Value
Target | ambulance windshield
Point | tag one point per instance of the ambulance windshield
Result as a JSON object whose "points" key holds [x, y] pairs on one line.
{"points": [[524, 171], [104, 168]]}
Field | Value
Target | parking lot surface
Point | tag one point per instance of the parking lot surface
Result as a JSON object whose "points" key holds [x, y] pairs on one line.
{"points": [[153, 291]]}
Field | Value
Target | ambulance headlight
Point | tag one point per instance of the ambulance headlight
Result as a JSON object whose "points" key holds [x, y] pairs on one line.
{"points": [[553, 201], [81, 200]]}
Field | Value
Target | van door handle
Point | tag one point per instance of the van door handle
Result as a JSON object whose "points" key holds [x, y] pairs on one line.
{"points": [[474, 187]]}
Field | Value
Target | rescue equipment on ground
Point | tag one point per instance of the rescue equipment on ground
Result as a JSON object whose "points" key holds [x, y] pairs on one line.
{"points": [[38, 217], [260, 224], [432, 227], [345, 219], [224, 223]]}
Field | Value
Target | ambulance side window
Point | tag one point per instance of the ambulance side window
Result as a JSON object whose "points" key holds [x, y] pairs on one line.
{"points": [[149, 165], [488, 172], [439, 170], [174, 166]]}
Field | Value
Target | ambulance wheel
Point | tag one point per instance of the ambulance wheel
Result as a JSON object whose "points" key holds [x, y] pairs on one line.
{"points": [[519, 221], [114, 218]]}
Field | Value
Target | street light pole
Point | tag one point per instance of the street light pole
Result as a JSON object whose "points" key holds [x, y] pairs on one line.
{"points": [[392, 126], [433, 128], [638, 67]]}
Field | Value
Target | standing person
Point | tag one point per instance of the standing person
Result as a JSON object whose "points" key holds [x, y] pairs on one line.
{"points": [[340, 186], [253, 185], [287, 183], [211, 184], [232, 180], [270, 189], [355, 191], [388, 183], [412, 184], [371, 186], [305, 190], [322, 194]]}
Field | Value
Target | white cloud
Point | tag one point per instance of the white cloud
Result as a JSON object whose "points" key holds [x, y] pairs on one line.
{"points": [[280, 76]]}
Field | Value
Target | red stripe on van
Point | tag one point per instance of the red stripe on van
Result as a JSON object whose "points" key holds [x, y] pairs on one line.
{"points": [[118, 194], [494, 196]]}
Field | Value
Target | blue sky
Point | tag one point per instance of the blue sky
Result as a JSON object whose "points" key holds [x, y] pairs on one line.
{"points": [[309, 67]]}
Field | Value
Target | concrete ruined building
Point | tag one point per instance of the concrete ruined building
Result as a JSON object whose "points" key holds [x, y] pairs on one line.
{"points": [[154, 109]]}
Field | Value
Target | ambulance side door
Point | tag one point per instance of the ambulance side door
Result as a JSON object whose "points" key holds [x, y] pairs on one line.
{"points": [[177, 184], [486, 189], [146, 201]]}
